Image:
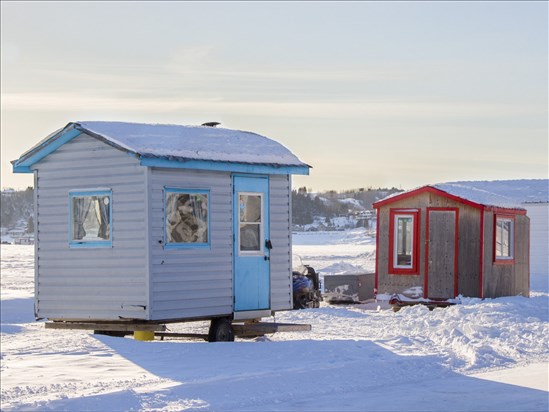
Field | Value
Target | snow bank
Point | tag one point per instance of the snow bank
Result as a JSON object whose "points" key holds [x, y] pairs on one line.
{"points": [[356, 358]]}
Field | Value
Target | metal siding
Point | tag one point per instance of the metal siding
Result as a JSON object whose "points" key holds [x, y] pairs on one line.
{"points": [[539, 237], [90, 283], [194, 282], [281, 266]]}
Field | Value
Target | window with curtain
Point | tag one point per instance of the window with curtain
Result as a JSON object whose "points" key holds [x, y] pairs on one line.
{"points": [[91, 218], [187, 217]]}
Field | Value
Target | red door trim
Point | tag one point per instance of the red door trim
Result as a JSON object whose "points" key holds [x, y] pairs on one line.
{"points": [[481, 263], [456, 248], [376, 276], [416, 213]]}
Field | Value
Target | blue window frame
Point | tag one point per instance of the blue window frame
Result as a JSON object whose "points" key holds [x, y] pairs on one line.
{"points": [[186, 218], [90, 218]]}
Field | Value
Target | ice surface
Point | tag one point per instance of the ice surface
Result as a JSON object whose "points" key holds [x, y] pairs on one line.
{"points": [[481, 355]]}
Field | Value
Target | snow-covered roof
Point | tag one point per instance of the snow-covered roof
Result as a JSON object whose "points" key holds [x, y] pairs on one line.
{"points": [[520, 190], [464, 191], [476, 195], [179, 143]]}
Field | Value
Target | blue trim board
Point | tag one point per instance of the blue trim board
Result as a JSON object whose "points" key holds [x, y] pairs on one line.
{"points": [[225, 166], [72, 130], [23, 164]]}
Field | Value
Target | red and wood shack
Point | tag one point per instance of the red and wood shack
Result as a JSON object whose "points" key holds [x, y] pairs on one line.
{"points": [[444, 240]]}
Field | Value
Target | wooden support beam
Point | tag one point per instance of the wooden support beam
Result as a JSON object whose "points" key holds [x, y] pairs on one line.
{"points": [[262, 328], [110, 327]]}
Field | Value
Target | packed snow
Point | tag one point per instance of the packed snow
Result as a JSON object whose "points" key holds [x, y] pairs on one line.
{"points": [[480, 355]]}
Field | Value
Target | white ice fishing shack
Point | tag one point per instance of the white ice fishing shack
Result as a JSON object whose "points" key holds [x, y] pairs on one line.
{"points": [[160, 223]]}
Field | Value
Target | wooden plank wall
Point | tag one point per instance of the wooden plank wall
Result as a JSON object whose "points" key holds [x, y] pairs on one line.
{"points": [[507, 279], [441, 257], [468, 246]]}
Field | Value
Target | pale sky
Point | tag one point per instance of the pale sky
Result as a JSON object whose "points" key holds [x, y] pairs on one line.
{"points": [[369, 93]]}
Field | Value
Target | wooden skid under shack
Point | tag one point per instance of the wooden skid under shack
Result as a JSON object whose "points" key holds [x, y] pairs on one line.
{"points": [[397, 303], [243, 330]]}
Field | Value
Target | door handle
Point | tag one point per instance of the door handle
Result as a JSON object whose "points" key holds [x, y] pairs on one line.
{"points": [[266, 258], [268, 244]]}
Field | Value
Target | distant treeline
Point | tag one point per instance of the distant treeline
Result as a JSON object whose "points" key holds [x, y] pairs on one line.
{"points": [[17, 205], [307, 205]]}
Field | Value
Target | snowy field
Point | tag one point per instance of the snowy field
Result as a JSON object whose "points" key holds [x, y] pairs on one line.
{"points": [[489, 355]]}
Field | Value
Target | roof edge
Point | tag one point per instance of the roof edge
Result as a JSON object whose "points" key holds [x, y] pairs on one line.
{"points": [[439, 192]]}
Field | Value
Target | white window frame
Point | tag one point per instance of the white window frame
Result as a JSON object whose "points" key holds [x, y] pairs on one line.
{"points": [[498, 229], [261, 251], [396, 238]]}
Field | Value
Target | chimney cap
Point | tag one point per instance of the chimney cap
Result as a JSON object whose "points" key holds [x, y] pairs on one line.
{"points": [[210, 124]]}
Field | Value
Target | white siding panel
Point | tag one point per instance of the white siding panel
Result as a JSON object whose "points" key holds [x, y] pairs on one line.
{"points": [[539, 237], [189, 283], [281, 273], [91, 283]]}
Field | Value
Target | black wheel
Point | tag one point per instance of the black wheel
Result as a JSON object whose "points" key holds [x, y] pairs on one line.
{"points": [[300, 301], [221, 330]]}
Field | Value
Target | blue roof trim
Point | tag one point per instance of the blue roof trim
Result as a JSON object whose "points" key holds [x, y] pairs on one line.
{"points": [[23, 164], [225, 166]]}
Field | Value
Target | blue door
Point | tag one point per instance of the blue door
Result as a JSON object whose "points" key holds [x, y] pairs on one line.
{"points": [[251, 243]]}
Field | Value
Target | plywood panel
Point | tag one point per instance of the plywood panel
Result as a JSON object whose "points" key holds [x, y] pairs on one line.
{"points": [[442, 253]]}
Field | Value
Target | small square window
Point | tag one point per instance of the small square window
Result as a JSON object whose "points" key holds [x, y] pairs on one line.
{"points": [[187, 218], [90, 218], [504, 238], [403, 242], [250, 223]]}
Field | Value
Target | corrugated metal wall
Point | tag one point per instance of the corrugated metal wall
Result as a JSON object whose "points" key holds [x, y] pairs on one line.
{"points": [[539, 237], [281, 272], [198, 282], [91, 283], [195, 282], [109, 283]]}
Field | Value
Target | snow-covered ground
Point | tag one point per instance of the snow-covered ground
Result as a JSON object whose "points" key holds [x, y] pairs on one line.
{"points": [[489, 355]]}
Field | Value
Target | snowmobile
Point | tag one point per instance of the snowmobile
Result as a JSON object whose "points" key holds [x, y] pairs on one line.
{"points": [[306, 285]]}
